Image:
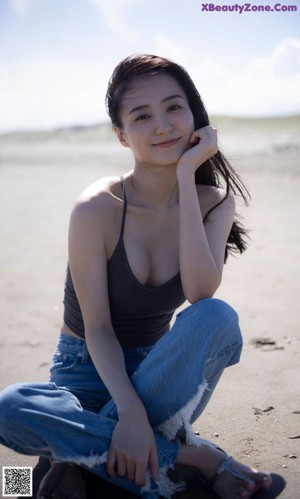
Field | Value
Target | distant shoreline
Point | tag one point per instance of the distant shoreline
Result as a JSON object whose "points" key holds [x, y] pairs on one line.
{"points": [[85, 130], [240, 139]]}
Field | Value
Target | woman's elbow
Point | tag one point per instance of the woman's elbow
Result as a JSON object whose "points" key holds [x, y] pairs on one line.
{"points": [[202, 290]]}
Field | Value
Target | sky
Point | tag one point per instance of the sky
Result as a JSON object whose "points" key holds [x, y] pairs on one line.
{"points": [[56, 56]]}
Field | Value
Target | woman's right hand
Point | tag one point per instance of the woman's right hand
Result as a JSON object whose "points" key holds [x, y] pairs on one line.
{"points": [[204, 144], [133, 449]]}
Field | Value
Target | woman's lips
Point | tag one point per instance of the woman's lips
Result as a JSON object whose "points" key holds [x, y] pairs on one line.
{"points": [[166, 143]]}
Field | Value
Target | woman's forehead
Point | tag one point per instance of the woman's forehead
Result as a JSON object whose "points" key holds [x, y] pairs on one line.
{"points": [[159, 85]]}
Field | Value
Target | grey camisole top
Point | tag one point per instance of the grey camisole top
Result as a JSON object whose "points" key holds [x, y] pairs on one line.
{"points": [[140, 314]]}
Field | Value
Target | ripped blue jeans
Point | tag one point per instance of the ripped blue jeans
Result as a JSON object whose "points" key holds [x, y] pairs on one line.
{"points": [[72, 417]]}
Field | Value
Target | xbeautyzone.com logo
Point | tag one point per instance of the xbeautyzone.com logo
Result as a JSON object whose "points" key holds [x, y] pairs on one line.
{"points": [[248, 7]]}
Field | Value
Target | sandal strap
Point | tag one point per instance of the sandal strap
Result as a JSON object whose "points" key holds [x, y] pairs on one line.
{"points": [[225, 465], [220, 469], [60, 475]]}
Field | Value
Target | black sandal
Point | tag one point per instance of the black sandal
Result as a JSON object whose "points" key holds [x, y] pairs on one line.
{"points": [[59, 477], [277, 486]]}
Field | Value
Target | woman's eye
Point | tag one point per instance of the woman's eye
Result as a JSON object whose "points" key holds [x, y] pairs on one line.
{"points": [[142, 117], [174, 107]]}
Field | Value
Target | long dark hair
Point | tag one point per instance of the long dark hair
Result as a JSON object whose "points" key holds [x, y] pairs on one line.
{"points": [[216, 170]]}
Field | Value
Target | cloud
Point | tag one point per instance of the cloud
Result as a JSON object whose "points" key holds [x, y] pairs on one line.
{"points": [[112, 12], [22, 7], [266, 86], [286, 58], [54, 93], [51, 93], [19, 6], [168, 48]]}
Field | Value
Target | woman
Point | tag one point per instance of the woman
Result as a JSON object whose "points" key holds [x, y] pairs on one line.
{"points": [[124, 389]]}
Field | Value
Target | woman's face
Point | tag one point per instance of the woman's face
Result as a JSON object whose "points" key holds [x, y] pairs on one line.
{"points": [[157, 121]]}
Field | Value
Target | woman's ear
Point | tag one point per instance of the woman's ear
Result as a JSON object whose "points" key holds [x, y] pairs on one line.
{"points": [[120, 134]]}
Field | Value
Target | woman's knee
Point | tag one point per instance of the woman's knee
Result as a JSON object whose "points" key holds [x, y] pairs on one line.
{"points": [[213, 309], [12, 399], [228, 335], [16, 398], [221, 308], [222, 328], [211, 317], [226, 318]]}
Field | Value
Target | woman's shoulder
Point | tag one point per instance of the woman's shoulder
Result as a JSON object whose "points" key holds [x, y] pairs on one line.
{"points": [[100, 198], [210, 196], [98, 207], [94, 222]]}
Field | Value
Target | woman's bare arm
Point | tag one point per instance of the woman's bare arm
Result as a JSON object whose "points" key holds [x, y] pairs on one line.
{"points": [[202, 248], [133, 446]]}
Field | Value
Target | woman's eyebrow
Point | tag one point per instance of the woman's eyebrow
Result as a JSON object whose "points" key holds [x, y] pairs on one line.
{"points": [[175, 96], [138, 108], [145, 106]]}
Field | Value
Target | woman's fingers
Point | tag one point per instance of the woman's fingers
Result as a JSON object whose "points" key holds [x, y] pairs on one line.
{"points": [[134, 470], [141, 472], [195, 137], [153, 462], [121, 466], [111, 464], [205, 140], [208, 132], [133, 451], [131, 469]]}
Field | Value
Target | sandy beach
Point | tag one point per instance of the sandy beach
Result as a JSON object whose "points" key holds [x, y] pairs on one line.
{"points": [[255, 411]]}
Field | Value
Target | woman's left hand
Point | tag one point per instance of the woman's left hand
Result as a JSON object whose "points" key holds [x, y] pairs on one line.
{"points": [[204, 144]]}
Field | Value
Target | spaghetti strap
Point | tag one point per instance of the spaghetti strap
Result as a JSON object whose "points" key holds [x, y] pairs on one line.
{"points": [[124, 207]]}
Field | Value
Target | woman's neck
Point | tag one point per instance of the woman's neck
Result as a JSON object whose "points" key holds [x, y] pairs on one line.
{"points": [[156, 187]]}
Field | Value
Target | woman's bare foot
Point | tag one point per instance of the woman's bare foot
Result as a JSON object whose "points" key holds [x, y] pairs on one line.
{"points": [[62, 482], [207, 460]]}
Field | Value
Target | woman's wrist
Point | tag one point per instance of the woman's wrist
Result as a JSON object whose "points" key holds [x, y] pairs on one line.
{"points": [[133, 406], [186, 179], [185, 171]]}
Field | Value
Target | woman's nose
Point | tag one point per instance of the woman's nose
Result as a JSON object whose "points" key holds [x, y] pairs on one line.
{"points": [[163, 126]]}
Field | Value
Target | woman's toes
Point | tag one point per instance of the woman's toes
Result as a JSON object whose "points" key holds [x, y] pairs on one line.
{"points": [[247, 490], [266, 481], [256, 482], [262, 480]]}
